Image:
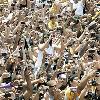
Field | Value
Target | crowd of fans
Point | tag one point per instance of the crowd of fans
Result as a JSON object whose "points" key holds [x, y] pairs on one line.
{"points": [[50, 50]]}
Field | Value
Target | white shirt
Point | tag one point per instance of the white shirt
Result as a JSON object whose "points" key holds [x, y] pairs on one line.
{"points": [[38, 63], [50, 50], [79, 8], [39, 59], [39, 2]]}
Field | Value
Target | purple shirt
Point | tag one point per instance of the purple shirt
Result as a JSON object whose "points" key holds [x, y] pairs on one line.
{"points": [[4, 85]]}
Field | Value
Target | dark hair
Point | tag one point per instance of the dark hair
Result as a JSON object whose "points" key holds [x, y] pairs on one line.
{"points": [[1, 8], [40, 21], [22, 22], [52, 17], [49, 2], [12, 4], [37, 28], [7, 94], [90, 56], [7, 80], [20, 57], [60, 29], [50, 42], [59, 16], [43, 0], [70, 79]]}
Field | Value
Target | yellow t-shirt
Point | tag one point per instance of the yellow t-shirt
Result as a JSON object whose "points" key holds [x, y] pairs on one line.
{"points": [[52, 25], [70, 95], [54, 9]]}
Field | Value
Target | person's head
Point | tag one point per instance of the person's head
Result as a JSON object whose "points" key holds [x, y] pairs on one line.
{"points": [[76, 1], [62, 77], [17, 82], [72, 81], [52, 87], [19, 59], [12, 6], [18, 87], [89, 17], [71, 62], [52, 18], [8, 95], [6, 77]]}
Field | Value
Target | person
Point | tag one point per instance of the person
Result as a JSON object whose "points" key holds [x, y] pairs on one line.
{"points": [[52, 24], [78, 6], [50, 50]]}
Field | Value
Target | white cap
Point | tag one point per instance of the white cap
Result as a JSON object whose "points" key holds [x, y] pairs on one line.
{"points": [[5, 75], [63, 76]]}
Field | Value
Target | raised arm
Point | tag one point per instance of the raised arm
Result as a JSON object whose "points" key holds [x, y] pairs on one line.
{"points": [[46, 44], [28, 92], [85, 79]]}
